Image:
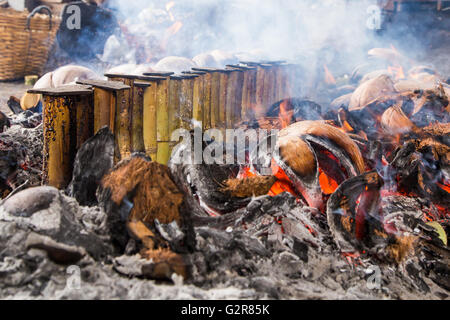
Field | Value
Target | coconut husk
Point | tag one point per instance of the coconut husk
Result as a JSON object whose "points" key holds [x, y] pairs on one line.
{"points": [[371, 90]]}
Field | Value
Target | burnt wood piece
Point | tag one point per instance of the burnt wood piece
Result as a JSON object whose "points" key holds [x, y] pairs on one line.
{"points": [[357, 227], [4, 122], [300, 109], [203, 182], [93, 160]]}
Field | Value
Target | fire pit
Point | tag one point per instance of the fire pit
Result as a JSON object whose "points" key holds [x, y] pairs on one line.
{"points": [[227, 176]]}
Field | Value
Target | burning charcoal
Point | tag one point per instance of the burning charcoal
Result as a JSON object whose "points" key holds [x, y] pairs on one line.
{"points": [[366, 93], [421, 167], [357, 222], [93, 160]]}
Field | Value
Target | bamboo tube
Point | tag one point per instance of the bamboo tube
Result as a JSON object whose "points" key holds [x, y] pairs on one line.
{"points": [[104, 101], [186, 101], [246, 103], [68, 122], [123, 124], [175, 90], [207, 90], [162, 122], [149, 121], [138, 116], [223, 84], [231, 100], [198, 95]]}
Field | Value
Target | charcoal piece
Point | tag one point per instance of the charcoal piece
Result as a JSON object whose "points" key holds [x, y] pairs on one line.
{"points": [[300, 109], [14, 105], [202, 184], [93, 160], [4, 122]]}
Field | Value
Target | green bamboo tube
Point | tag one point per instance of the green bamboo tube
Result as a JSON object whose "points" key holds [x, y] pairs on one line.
{"points": [[68, 122], [162, 122]]}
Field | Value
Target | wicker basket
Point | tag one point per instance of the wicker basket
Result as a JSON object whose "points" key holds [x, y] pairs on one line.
{"points": [[25, 41]]}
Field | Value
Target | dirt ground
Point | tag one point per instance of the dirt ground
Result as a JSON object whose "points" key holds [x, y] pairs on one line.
{"points": [[7, 89]]}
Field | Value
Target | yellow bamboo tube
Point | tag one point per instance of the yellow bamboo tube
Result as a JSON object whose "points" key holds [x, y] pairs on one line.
{"points": [[186, 101], [84, 119], [149, 121], [174, 103], [162, 122], [215, 99], [104, 101], [68, 122], [231, 99], [207, 83], [57, 141], [224, 74], [198, 96], [123, 123]]}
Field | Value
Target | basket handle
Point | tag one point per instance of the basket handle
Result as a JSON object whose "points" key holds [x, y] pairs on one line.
{"points": [[36, 10]]}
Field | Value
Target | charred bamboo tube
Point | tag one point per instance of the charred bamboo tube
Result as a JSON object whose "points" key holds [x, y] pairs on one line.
{"points": [[104, 101], [68, 122]]}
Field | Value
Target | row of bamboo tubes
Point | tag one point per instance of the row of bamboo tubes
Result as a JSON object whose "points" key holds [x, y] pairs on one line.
{"points": [[143, 110]]}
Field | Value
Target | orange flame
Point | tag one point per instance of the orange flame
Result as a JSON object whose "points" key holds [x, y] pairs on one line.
{"points": [[327, 184], [285, 115], [396, 72], [329, 78]]}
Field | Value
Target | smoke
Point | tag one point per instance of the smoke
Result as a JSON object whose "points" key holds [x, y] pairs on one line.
{"points": [[269, 29]]}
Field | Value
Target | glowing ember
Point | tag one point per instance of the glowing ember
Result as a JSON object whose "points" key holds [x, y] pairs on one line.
{"points": [[327, 184]]}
